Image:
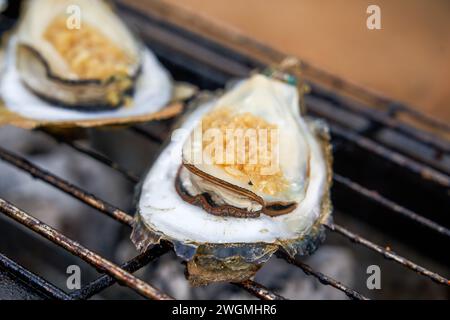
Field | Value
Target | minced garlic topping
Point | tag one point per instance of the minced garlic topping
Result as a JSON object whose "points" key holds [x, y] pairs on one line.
{"points": [[259, 154], [89, 54]]}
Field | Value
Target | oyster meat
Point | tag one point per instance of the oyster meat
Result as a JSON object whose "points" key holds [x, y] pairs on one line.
{"points": [[250, 176]]}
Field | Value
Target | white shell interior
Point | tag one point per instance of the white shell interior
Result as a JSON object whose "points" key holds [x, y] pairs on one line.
{"points": [[153, 91], [163, 210]]}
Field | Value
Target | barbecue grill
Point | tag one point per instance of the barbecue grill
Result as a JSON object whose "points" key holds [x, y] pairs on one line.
{"points": [[392, 163]]}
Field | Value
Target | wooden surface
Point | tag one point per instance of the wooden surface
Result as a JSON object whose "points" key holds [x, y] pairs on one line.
{"points": [[408, 60]]}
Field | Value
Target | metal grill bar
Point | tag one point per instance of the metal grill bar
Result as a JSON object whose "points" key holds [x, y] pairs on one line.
{"points": [[422, 117], [388, 254], [131, 266], [418, 168], [259, 290], [324, 279], [424, 171], [376, 197], [142, 260], [43, 286], [384, 119], [75, 248], [65, 186]]}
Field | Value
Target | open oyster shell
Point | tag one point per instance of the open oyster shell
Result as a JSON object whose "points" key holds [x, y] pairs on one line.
{"points": [[58, 73], [217, 245], [88, 61]]}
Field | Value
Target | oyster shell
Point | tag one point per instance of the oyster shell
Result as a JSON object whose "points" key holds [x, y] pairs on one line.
{"points": [[222, 225], [92, 65], [99, 67]]}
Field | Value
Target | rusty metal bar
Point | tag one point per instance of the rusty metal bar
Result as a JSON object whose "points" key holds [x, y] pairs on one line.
{"points": [[131, 266], [376, 197], [259, 290], [389, 254], [34, 281], [142, 260], [324, 279], [420, 169], [100, 263], [95, 155], [65, 186]]}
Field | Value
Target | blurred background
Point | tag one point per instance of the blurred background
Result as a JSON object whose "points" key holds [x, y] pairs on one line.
{"points": [[408, 60]]}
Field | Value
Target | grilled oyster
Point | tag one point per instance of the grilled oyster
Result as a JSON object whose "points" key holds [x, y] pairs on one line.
{"points": [[225, 213], [92, 64]]}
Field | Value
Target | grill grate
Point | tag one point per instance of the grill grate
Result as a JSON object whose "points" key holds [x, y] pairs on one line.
{"points": [[126, 219], [195, 58]]}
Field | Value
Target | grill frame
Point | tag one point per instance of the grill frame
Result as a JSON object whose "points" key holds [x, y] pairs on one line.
{"points": [[215, 56]]}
